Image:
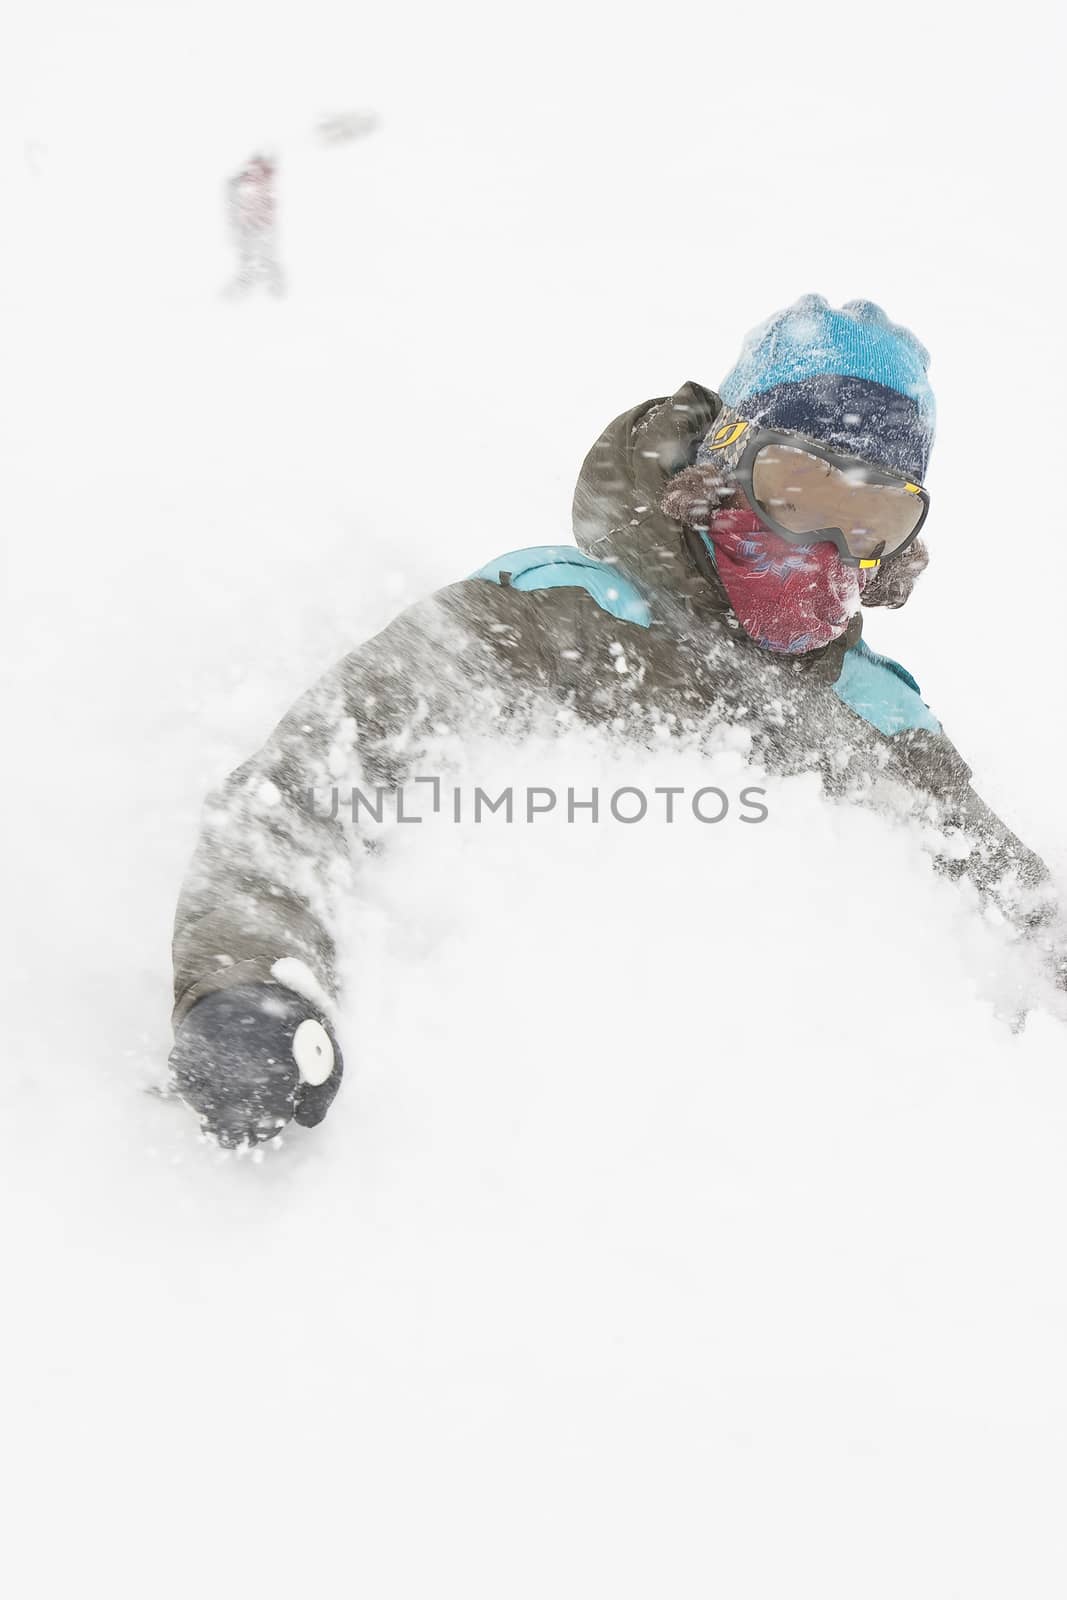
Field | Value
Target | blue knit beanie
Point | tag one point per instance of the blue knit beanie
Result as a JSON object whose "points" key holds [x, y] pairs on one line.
{"points": [[849, 378]]}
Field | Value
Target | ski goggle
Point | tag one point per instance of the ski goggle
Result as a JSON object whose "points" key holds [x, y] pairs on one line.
{"points": [[807, 494]]}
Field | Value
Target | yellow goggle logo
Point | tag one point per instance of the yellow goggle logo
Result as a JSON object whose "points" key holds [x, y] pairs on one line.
{"points": [[727, 435]]}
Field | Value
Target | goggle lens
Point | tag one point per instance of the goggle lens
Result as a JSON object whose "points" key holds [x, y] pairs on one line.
{"points": [[808, 495]]}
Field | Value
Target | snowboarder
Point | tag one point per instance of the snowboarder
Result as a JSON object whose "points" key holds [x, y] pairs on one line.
{"points": [[725, 546], [251, 204]]}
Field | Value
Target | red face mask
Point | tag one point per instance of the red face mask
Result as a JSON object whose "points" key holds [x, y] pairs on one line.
{"points": [[787, 597]]}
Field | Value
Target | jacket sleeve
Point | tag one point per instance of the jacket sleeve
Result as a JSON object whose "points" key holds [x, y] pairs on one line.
{"points": [[271, 863], [973, 843]]}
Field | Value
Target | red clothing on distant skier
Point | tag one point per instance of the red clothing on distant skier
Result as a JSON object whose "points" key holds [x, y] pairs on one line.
{"points": [[252, 196]]}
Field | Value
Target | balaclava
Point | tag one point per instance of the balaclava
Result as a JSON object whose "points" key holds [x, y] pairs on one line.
{"points": [[855, 382]]}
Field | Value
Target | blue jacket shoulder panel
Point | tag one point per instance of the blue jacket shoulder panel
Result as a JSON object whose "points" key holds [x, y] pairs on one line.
{"points": [[552, 566], [882, 692], [875, 687]]}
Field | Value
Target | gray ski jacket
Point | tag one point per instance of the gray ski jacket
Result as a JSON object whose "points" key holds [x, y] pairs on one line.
{"points": [[631, 629]]}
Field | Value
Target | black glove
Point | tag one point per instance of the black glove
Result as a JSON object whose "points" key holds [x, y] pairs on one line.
{"points": [[251, 1058]]}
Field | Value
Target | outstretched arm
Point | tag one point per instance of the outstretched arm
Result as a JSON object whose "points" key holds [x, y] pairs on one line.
{"points": [[980, 847], [255, 960]]}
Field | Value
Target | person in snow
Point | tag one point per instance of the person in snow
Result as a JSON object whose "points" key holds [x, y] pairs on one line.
{"points": [[726, 544], [251, 206]]}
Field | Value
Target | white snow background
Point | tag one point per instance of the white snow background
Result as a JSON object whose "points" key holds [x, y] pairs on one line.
{"points": [[688, 1223]]}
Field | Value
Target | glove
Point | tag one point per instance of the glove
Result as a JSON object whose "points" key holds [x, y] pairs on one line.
{"points": [[252, 1058]]}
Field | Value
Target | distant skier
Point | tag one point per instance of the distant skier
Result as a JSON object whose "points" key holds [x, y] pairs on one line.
{"points": [[252, 209], [726, 545]]}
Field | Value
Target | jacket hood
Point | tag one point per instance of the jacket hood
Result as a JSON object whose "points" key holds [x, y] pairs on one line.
{"points": [[617, 516]]}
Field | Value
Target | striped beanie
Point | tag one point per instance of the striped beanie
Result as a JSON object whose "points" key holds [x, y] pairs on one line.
{"points": [[849, 378]]}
